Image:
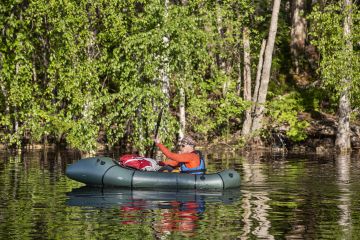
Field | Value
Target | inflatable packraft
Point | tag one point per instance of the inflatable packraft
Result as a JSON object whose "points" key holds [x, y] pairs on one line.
{"points": [[106, 172]]}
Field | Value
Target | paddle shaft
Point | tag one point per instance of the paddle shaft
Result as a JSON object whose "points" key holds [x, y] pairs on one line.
{"points": [[152, 150]]}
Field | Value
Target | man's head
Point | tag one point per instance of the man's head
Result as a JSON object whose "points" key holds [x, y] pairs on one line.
{"points": [[187, 144]]}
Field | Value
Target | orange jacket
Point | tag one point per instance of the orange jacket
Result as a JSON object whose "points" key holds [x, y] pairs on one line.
{"points": [[191, 160]]}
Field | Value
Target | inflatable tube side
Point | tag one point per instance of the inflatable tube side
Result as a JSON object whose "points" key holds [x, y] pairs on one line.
{"points": [[156, 180], [231, 178], [98, 171], [118, 177], [186, 181], [89, 170], [209, 181]]}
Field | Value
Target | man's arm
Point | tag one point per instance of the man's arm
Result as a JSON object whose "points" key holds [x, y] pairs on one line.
{"points": [[178, 157]]}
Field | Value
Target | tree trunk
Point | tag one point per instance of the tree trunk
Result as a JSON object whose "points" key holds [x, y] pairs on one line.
{"points": [[298, 33], [265, 76], [342, 141], [182, 115], [247, 81], [164, 71], [5, 95], [258, 76], [16, 122], [3, 88], [238, 84], [221, 61]]}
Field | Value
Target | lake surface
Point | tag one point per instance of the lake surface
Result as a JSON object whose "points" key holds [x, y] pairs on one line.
{"points": [[281, 197]]}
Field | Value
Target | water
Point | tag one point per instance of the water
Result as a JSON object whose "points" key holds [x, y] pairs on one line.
{"points": [[281, 197]]}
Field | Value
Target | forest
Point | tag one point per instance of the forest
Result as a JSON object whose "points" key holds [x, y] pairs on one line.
{"points": [[88, 73]]}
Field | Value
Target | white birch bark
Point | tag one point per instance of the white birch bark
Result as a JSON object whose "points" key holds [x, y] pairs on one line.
{"points": [[342, 141], [3, 88], [265, 76], [221, 61], [182, 112], [164, 71], [247, 81], [238, 85], [16, 122], [258, 75]]}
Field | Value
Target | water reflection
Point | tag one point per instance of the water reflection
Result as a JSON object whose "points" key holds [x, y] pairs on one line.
{"points": [[343, 164], [176, 211], [282, 197], [255, 203], [109, 197]]}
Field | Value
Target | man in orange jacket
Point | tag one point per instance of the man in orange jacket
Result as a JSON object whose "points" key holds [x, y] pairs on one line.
{"points": [[189, 160]]}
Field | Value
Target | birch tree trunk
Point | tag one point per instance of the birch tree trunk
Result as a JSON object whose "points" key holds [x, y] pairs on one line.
{"points": [[342, 141], [182, 115], [165, 61], [258, 76], [221, 61], [247, 81], [239, 81], [4, 91], [164, 73], [16, 122], [265, 76], [182, 102], [298, 33]]}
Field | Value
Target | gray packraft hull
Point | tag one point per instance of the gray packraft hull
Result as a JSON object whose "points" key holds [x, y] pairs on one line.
{"points": [[104, 171]]}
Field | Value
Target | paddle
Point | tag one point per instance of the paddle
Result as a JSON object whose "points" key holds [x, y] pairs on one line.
{"points": [[152, 150]]}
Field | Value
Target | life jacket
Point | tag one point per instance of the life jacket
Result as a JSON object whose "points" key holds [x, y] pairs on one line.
{"points": [[201, 169]]}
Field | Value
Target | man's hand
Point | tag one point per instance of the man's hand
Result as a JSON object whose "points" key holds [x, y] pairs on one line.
{"points": [[157, 140]]}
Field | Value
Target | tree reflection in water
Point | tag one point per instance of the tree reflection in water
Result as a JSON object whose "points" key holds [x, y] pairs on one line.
{"points": [[343, 163], [170, 211], [282, 197], [255, 203]]}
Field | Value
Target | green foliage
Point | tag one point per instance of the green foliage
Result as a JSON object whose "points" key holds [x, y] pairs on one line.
{"points": [[338, 60], [230, 108], [284, 110], [82, 69], [318, 100], [199, 111], [217, 114], [84, 72]]}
